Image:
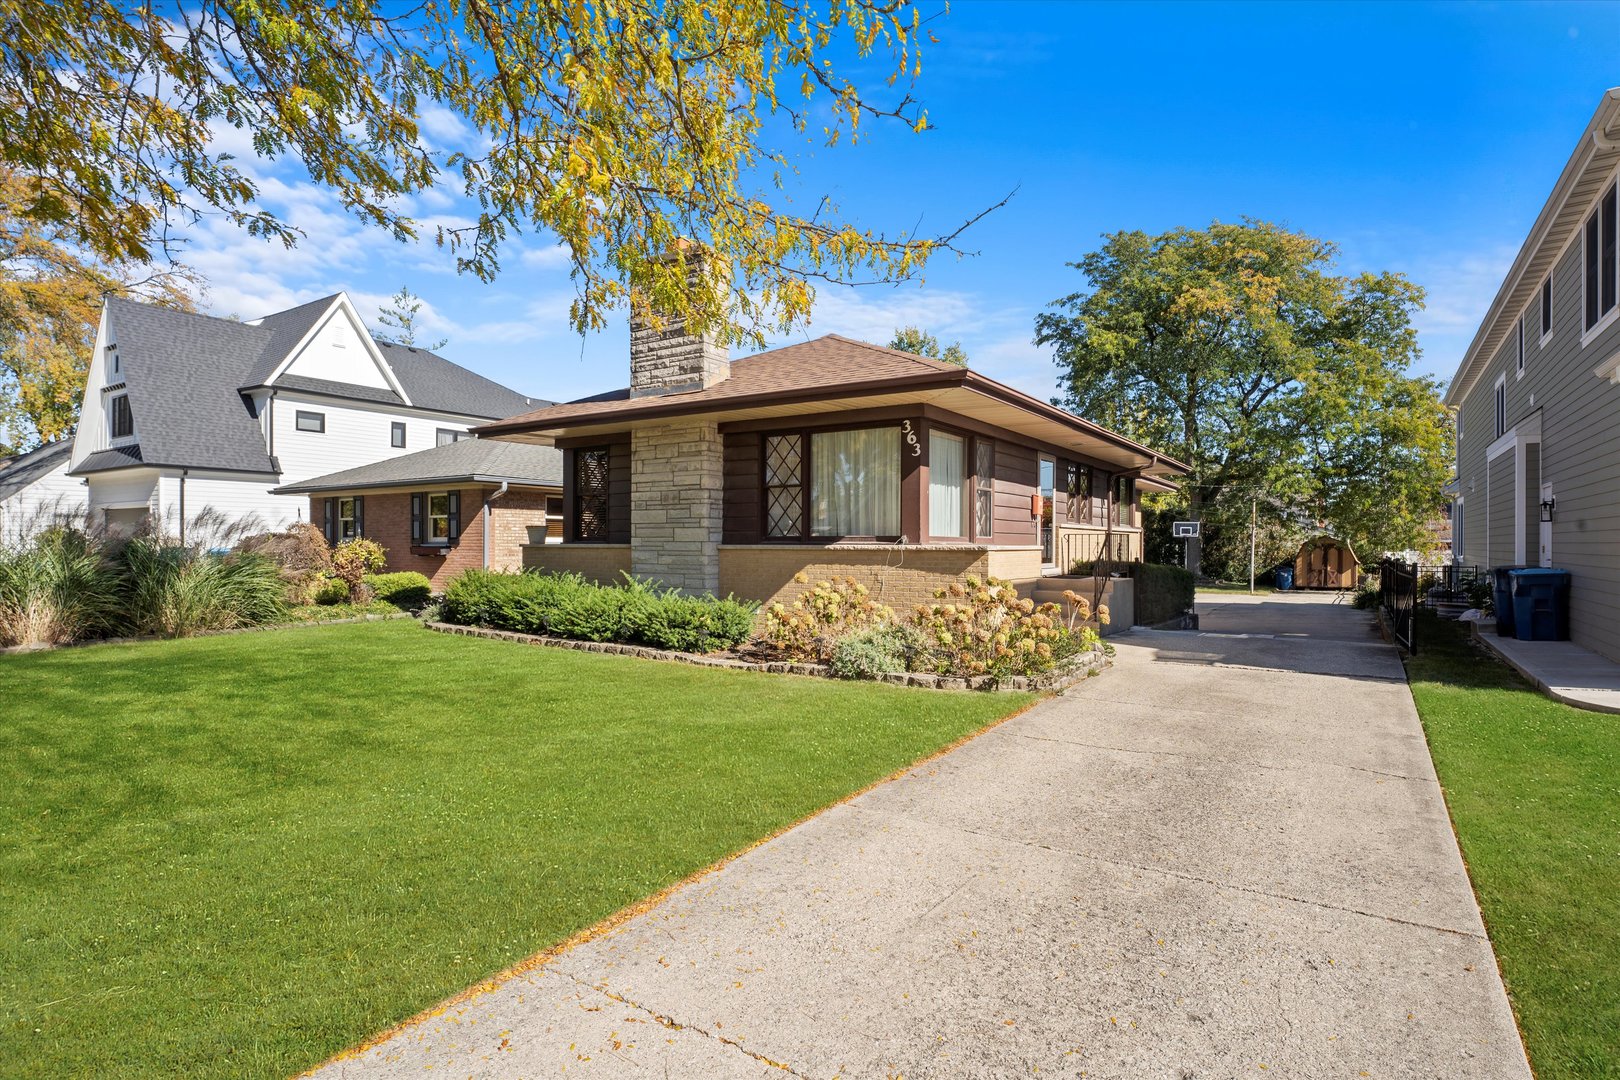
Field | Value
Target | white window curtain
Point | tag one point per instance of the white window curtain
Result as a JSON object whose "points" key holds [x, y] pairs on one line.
{"points": [[855, 482], [946, 463]]}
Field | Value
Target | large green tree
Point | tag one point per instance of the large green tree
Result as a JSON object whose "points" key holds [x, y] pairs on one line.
{"points": [[914, 339], [1238, 349], [623, 128]]}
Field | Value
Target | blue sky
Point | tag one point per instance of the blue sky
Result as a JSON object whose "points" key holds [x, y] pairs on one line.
{"points": [[1420, 138]]}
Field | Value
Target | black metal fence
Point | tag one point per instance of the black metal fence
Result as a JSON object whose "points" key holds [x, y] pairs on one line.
{"points": [[1448, 577], [1397, 595]]}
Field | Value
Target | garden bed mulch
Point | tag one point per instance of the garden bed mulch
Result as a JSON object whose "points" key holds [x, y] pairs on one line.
{"points": [[1072, 671]]}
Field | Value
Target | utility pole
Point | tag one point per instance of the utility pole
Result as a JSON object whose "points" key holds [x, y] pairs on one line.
{"points": [[1253, 517]]}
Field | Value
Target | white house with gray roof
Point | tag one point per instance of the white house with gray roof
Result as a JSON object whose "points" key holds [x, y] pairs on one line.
{"points": [[1537, 396], [36, 491], [183, 412]]}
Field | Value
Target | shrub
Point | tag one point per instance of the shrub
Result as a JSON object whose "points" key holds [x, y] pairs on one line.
{"points": [[808, 629], [566, 605], [57, 589], [175, 591], [871, 654], [984, 628], [327, 591], [299, 550], [301, 554], [1367, 595], [352, 560], [1162, 593], [695, 624], [407, 591]]}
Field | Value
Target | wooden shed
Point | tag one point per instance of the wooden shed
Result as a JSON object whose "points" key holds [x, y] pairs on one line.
{"points": [[1326, 563]]}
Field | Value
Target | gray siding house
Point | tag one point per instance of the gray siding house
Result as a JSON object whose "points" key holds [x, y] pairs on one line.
{"points": [[1537, 397]]}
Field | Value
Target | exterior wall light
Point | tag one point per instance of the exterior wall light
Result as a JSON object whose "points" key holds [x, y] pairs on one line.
{"points": [[1546, 509]]}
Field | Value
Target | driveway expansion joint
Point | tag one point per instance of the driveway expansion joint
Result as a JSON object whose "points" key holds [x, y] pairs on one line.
{"points": [[1179, 874], [1219, 758]]}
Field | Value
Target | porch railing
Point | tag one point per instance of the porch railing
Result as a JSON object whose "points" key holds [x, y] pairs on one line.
{"points": [[1397, 595], [1085, 544]]}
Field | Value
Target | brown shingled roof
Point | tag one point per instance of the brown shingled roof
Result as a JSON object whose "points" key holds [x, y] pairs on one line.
{"points": [[825, 368], [812, 367]]}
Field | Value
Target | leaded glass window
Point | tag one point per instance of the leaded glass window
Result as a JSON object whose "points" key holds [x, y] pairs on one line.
{"points": [[784, 485]]}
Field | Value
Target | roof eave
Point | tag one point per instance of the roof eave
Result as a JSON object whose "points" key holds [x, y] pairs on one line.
{"points": [[932, 380], [1574, 168], [385, 485]]}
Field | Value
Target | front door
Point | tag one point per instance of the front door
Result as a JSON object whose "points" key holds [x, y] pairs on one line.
{"points": [[1546, 528], [1048, 492]]}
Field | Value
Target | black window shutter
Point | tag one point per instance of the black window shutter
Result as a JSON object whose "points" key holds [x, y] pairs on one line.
{"points": [[331, 521], [454, 526], [359, 515], [416, 518]]}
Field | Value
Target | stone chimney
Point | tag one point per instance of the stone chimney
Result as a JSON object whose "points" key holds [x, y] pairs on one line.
{"points": [[668, 360]]}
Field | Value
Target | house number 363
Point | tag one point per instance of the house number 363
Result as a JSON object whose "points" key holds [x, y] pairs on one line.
{"points": [[911, 438]]}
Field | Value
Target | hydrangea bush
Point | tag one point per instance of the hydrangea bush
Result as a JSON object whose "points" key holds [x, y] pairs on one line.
{"points": [[808, 629]]}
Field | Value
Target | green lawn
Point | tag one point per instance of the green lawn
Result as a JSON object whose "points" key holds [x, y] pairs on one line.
{"points": [[1232, 587], [1534, 791], [235, 856]]}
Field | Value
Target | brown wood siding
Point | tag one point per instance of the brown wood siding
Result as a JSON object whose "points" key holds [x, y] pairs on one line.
{"points": [[740, 521], [1018, 479]]}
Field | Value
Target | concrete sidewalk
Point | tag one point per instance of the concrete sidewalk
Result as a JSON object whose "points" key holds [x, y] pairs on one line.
{"points": [[1229, 856], [1560, 669]]}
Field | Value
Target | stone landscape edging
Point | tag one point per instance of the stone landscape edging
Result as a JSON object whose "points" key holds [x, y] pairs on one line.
{"points": [[1074, 670]]}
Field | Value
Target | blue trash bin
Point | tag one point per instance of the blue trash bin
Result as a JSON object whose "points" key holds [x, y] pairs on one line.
{"points": [[1502, 598], [1285, 578], [1541, 604]]}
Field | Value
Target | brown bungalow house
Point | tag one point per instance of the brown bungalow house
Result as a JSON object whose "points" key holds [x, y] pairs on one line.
{"points": [[832, 457], [470, 503]]}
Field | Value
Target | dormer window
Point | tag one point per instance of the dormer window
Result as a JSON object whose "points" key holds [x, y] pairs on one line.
{"points": [[123, 422]]}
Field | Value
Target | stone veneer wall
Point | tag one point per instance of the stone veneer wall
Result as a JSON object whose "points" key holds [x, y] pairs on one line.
{"points": [[601, 563], [669, 360], [677, 479]]}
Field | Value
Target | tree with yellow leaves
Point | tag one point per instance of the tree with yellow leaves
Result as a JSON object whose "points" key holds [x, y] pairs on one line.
{"points": [[622, 127], [50, 302]]}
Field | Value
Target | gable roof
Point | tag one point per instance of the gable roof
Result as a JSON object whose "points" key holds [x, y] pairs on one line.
{"points": [[287, 329], [182, 371], [836, 368], [1586, 172], [18, 472], [187, 374], [436, 383], [465, 461]]}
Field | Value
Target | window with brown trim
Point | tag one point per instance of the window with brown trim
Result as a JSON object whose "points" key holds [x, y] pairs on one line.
{"points": [[984, 488], [591, 493], [1123, 486], [1078, 488], [784, 485]]}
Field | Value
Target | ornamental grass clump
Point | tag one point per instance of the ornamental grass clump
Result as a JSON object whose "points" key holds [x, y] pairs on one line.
{"points": [[984, 628], [174, 591], [808, 629], [56, 589]]}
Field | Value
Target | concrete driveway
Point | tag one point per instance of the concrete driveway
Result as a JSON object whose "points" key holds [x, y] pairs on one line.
{"points": [[1226, 857]]}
